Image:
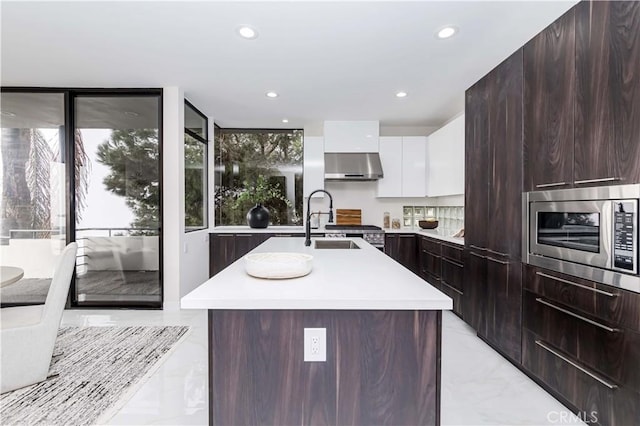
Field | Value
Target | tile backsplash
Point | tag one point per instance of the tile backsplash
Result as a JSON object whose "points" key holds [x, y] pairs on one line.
{"points": [[450, 218]]}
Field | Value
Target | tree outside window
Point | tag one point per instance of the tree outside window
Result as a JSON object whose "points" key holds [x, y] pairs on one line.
{"points": [[258, 167], [195, 168]]}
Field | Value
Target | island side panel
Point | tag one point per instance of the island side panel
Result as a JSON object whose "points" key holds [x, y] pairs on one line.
{"points": [[383, 367], [386, 370], [257, 376]]}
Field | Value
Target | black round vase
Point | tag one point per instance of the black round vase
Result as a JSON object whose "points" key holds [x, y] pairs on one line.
{"points": [[258, 217]]}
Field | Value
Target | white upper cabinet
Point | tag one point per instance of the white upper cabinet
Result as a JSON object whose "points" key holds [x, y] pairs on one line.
{"points": [[404, 162], [445, 152], [351, 136], [414, 166], [313, 151], [391, 158]]}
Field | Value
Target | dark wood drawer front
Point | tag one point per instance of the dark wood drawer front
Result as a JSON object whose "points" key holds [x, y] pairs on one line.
{"points": [[611, 304], [452, 274], [454, 294], [452, 253], [430, 264], [431, 246], [596, 397], [611, 352]]}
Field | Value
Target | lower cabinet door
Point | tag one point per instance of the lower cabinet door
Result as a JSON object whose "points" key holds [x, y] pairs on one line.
{"points": [[474, 302], [504, 306]]}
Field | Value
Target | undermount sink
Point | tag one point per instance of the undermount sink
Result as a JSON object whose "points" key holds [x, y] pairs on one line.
{"points": [[335, 244]]}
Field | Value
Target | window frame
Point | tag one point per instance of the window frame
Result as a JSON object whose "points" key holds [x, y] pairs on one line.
{"points": [[205, 141]]}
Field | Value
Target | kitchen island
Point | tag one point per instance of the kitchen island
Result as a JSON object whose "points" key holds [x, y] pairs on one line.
{"points": [[383, 328]]}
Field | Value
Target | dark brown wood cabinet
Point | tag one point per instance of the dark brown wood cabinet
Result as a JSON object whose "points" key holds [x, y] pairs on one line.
{"points": [[226, 248], [582, 98], [440, 264], [382, 368], [578, 344], [607, 132], [430, 260], [474, 303], [504, 305], [505, 159], [493, 146], [549, 98], [221, 252], [476, 190], [493, 280], [403, 249], [452, 275]]}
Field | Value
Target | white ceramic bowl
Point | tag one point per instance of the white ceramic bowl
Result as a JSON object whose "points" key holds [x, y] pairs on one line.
{"points": [[278, 265]]}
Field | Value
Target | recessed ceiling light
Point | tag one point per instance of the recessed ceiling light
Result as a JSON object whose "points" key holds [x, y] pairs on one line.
{"points": [[446, 32], [247, 32], [401, 94], [131, 114], [271, 94], [284, 120], [8, 114]]}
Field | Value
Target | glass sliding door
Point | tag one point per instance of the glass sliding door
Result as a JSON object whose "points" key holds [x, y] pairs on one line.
{"points": [[33, 211], [117, 199]]}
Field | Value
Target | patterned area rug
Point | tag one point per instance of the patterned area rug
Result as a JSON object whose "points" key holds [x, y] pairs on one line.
{"points": [[96, 367]]}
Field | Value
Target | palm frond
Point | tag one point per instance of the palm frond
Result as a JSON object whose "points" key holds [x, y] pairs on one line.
{"points": [[37, 174], [82, 174]]}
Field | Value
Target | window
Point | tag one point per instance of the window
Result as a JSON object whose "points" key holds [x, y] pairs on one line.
{"points": [[258, 167], [195, 168], [83, 165], [33, 211]]}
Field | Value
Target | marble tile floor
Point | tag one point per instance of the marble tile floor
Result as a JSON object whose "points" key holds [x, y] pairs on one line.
{"points": [[479, 387]]}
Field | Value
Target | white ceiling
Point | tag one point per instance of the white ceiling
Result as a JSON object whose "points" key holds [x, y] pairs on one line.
{"points": [[327, 60]]}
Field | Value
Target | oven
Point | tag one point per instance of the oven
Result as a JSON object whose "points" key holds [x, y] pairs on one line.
{"points": [[374, 235], [587, 232]]}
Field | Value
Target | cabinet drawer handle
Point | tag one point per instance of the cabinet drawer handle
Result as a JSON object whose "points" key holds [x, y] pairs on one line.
{"points": [[475, 247], [225, 235], [407, 236], [431, 254], [580, 317], [459, 265], [595, 290], [478, 255], [502, 262], [609, 179], [548, 185], [498, 253], [244, 235], [568, 361], [452, 288]]}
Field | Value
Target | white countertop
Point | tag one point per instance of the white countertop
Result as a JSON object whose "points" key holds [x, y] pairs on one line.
{"points": [[434, 233], [269, 230], [364, 279]]}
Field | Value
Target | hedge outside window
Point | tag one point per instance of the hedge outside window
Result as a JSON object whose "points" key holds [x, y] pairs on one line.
{"points": [[258, 166], [195, 168]]}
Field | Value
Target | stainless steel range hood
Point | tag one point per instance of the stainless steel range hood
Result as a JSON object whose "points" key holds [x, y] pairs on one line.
{"points": [[352, 166]]}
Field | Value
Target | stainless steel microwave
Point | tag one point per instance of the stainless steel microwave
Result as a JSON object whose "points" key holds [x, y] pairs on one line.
{"points": [[586, 232]]}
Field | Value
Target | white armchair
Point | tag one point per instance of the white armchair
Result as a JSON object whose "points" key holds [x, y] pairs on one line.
{"points": [[28, 333]]}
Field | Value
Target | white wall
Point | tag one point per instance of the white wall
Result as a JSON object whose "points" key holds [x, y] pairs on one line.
{"points": [[172, 193], [186, 255], [194, 265]]}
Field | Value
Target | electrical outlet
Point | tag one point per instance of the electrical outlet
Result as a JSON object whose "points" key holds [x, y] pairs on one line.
{"points": [[315, 344]]}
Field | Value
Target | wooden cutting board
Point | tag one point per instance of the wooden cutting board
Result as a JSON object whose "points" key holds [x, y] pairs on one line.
{"points": [[348, 217]]}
